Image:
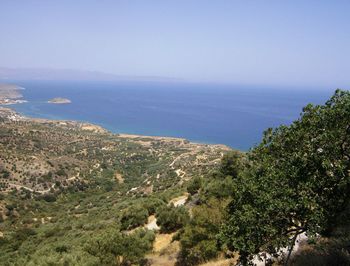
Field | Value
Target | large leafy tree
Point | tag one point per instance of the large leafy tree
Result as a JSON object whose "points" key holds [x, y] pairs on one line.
{"points": [[298, 181]]}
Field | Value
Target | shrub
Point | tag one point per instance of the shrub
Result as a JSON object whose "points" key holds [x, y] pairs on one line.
{"points": [[5, 174], [115, 248], [232, 163], [198, 240], [49, 197], [61, 248], [152, 204], [133, 216], [194, 185], [172, 218]]}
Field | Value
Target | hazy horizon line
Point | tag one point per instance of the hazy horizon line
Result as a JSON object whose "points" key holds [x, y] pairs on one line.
{"points": [[71, 74]]}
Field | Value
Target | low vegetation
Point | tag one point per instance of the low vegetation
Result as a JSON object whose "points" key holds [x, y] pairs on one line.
{"points": [[66, 185], [171, 218]]}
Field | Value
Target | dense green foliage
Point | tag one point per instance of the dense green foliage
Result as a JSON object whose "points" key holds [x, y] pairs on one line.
{"points": [[194, 185], [298, 181], [64, 229], [232, 164], [133, 216], [220, 183], [115, 248], [198, 239], [171, 218], [152, 204]]}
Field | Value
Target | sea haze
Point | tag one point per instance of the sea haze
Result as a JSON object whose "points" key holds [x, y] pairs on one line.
{"points": [[207, 113]]}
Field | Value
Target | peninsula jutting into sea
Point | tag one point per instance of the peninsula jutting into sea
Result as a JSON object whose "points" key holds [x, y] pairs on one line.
{"points": [[10, 94]]}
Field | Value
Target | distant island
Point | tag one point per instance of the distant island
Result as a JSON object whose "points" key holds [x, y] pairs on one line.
{"points": [[59, 100]]}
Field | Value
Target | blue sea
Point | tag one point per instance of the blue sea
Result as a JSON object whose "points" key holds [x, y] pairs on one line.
{"points": [[208, 113]]}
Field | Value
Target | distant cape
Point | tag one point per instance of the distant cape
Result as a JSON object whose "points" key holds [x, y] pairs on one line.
{"points": [[70, 74]]}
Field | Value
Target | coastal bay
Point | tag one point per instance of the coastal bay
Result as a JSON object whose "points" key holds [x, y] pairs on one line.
{"points": [[207, 113]]}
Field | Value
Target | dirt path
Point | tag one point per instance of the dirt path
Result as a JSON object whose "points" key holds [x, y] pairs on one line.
{"points": [[32, 190], [152, 223], [179, 201]]}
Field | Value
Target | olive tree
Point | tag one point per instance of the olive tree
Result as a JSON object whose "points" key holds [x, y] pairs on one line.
{"points": [[298, 181]]}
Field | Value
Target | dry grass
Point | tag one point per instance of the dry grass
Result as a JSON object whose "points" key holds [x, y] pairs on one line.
{"points": [[119, 177], [162, 241], [164, 250], [156, 260], [221, 262]]}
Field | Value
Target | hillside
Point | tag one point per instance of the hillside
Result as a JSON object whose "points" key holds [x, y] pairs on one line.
{"points": [[38, 154], [65, 180], [75, 194]]}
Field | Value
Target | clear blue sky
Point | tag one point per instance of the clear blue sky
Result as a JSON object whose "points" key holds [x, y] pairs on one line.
{"points": [[292, 42]]}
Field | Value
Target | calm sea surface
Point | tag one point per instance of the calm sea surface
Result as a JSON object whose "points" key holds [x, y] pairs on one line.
{"points": [[208, 113]]}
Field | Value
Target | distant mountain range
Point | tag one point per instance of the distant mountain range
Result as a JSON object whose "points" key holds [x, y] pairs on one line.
{"points": [[69, 74]]}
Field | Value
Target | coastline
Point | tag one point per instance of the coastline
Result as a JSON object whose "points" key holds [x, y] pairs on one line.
{"points": [[10, 94], [14, 116], [234, 117]]}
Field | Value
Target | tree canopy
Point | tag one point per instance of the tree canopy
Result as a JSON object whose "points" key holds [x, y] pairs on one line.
{"points": [[115, 248], [297, 181], [171, 218]]}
